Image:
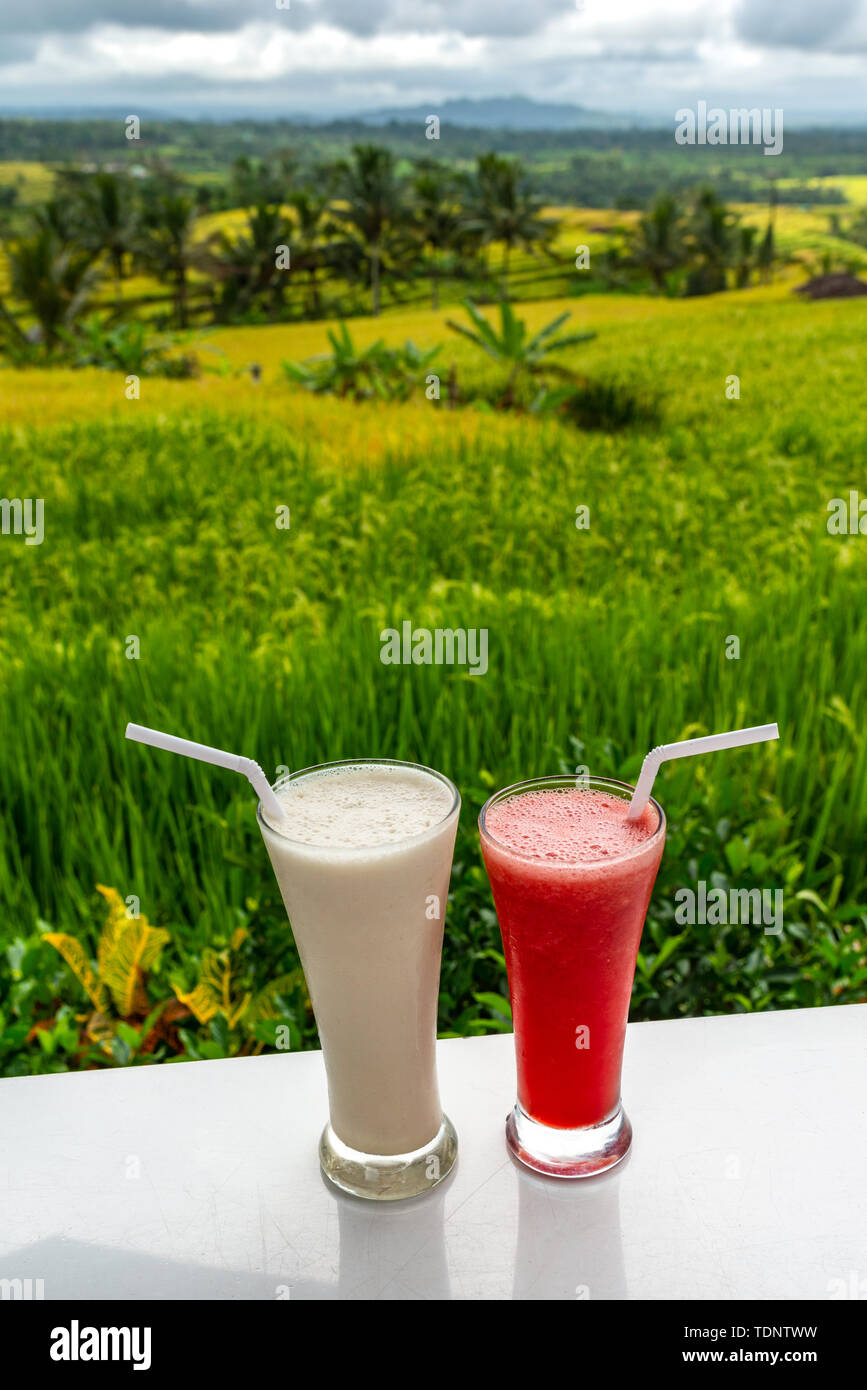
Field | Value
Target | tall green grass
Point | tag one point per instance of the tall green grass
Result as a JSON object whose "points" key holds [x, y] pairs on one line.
{"points": [[602, 642]]}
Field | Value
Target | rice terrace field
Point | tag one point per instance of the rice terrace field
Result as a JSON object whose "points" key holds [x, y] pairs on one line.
{"points": [[223, 551], [159, 525]]}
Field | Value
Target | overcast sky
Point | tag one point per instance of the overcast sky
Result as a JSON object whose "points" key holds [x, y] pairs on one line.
{"points": [[213, 57]]}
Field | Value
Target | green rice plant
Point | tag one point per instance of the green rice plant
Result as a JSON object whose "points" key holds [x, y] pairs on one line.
{"points": [[604, 639]]}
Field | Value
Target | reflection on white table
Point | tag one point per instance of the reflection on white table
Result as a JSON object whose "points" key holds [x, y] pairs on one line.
{"points": [[200, 1180]]}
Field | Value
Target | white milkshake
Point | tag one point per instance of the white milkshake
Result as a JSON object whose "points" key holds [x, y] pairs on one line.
{"points": [[363, 858]]}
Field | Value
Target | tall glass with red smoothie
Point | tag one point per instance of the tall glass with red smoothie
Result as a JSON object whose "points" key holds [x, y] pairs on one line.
{"points": [[571, 880]]}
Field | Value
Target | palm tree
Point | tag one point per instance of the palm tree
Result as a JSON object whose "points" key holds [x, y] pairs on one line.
{"points": [[247, 265], [53, 280], [711, 236], [513, 348], [53, 216], [371, 211], [857, 229], [768, 248], [310, 250], [746, 256], [657, 243], [437, 217], [166, 244], [104, 215], [503, 209], [767, 255], [613, 266], [253, 181]]}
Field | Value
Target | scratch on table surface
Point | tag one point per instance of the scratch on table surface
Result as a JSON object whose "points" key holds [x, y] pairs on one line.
{"points": [[155, 1192], [220, 1185], [264, 1211], [506, 1163], [205, 1196]]}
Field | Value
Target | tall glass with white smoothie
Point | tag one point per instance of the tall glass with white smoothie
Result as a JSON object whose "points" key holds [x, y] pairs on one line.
{"points": [[363, 857]]}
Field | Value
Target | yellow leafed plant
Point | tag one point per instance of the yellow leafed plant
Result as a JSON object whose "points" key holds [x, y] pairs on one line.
{"points": [[127, 948], [204, 999], [263, 1005], [215, 990], [76, 958]]}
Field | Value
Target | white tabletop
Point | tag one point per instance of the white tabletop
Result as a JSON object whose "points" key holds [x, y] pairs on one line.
{"points": [[200, 1180]]}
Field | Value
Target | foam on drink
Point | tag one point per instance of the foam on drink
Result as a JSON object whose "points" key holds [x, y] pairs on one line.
{"points": [[569, 826], [357, 807]]}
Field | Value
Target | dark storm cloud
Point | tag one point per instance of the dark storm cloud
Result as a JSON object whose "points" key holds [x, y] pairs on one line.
{"points": [[475, 18], [795, 23], [492, 18], [17, 48], [819, 24], [74, 16]]}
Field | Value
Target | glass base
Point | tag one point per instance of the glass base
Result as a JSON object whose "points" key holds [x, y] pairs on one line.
{"points": [[389, 1177], [568, 1153]]}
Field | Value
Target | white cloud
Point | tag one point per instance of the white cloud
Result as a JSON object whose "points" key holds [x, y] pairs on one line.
{"points": [[625, 54], [835, 26]]}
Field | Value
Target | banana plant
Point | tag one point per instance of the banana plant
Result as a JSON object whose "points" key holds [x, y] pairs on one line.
{"points": [[361, 374], [347, 371], [523, 354]]}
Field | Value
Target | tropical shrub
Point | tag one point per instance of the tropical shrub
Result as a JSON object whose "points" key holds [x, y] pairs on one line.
{"points": [[361, 374], [523, 355], [126, 347]]}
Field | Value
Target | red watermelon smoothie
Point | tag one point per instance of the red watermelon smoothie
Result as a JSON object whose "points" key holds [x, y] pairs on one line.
{"points": [[571, 880]]}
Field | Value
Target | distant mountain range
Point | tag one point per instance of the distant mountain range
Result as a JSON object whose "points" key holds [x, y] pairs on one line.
{"points": [[517, 113], [504, 113], [486, 113]]}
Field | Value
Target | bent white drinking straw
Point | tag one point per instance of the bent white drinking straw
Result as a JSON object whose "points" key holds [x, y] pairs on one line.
{"points": [[204, 754], [712, 743]]}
